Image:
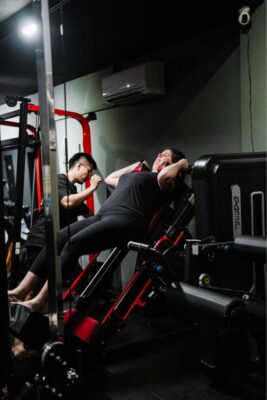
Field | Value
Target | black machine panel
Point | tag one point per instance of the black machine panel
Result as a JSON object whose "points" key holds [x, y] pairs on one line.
{"points": [[9, 165], [230, 200], [230, 193]]}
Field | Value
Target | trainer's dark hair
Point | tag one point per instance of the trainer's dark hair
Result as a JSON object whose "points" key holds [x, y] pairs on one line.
{"points": [[176, 154], [77, 156]]}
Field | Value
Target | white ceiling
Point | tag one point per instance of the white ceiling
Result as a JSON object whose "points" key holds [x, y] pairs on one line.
{"points": [[100, 33], [10, 7]]}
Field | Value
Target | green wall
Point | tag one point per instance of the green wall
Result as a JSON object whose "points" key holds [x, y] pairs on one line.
{"points": [[253, 82]]}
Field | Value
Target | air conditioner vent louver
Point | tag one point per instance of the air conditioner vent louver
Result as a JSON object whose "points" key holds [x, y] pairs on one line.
{"points": [[134, 84]]}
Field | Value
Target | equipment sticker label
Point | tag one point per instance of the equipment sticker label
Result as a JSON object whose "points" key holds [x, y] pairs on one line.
{"points": [[236, 210]]}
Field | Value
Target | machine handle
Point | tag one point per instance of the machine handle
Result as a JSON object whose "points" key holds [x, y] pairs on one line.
{"points": [[136, 246]]}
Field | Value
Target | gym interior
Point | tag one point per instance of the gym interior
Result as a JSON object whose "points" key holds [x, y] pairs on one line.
{"points": [[180, 314]]}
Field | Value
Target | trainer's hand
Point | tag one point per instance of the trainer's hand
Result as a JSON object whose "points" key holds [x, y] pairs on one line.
{"points": [[95, 181]]}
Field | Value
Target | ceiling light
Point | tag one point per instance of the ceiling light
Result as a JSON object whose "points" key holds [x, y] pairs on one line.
{"points": [[29, 30]]}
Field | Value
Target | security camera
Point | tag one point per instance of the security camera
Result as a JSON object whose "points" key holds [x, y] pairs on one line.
{"points": [[244, 15]]}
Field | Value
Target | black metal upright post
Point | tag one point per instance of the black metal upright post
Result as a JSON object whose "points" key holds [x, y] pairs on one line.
{"points": [[22, 143], [5, 350]]}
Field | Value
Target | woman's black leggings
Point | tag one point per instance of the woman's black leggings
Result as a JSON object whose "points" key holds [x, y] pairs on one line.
{"points": [[88, 236]]}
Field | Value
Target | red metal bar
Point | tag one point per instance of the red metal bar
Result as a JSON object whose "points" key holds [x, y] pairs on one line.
{"points": [[16, 125], [179, 238], [125, 291], [38, 175], [138, 301], [162, 240]]}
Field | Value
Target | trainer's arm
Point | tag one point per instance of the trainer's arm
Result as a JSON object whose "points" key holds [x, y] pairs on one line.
{"points": [[74, 200]]}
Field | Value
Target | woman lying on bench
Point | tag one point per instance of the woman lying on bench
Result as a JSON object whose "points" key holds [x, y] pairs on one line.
{"points": [[124, 216]]}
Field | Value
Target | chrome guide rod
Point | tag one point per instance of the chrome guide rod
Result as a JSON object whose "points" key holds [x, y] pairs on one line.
{"points": [[49, 167], [257, 218]]}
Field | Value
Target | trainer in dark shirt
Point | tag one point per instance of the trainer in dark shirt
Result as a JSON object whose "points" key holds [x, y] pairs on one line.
{"points": [[71, 204]]}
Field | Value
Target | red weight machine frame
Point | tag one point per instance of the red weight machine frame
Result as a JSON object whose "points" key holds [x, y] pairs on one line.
{"points": [[93, 332]]}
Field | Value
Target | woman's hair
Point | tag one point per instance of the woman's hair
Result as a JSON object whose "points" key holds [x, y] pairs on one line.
{"points": [[176, 154], [77, 156]]}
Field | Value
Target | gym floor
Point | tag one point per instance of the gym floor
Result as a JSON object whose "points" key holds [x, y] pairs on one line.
{"points": [[157, 357]]}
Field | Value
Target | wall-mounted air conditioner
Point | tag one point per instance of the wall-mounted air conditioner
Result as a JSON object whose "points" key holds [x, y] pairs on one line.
{"points": [[134, 84]]}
